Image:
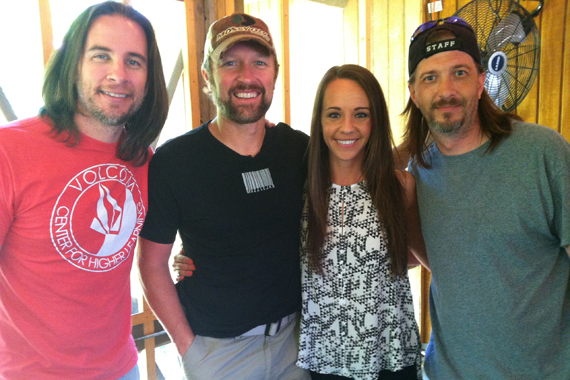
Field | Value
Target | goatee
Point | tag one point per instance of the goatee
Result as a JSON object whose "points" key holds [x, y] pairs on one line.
{"points": [[447, 126]]}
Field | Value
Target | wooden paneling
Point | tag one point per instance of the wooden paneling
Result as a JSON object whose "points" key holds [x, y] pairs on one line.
{"points": [[377, 34], [351, 32], [564, 102], [380, 54], [398, 46], [392, 23], [552, 52], [47, 30], [200, 14], [192, 77], [285, 66], [276, 14]]}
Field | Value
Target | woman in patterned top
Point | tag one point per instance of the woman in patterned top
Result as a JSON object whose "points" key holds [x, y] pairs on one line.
{"points": [[359, 226]]}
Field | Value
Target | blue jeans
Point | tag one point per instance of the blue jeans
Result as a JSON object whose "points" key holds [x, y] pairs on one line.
{"points": [[133, 374]]}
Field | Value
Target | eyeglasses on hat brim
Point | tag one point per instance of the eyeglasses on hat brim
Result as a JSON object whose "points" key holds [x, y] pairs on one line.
{"points": [[448, 20]]}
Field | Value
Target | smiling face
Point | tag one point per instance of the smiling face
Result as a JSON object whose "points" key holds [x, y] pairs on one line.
{"points": [[447, 89], [242, 83], [346, 122], [112, 72]]}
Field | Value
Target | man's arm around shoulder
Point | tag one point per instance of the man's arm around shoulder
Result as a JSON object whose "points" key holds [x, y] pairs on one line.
{"points": [[416, 246], [401, 157], [160, 292]]}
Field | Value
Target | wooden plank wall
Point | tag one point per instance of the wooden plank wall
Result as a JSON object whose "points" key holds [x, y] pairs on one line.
{"points": [[199, 15], [392, 24], [275, 13], [376, 36], [383, 29]]}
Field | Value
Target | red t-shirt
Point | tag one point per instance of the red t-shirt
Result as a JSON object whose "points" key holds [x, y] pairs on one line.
{"points": [[69, 219]]}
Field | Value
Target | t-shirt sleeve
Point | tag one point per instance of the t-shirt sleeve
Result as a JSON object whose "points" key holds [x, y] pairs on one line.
{"points": [[561, 190], [6, 196], [162, 220]]}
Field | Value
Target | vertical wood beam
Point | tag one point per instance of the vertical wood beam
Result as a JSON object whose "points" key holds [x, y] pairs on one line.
{"points": [[551, 58], [351, 33], [425, 320], [564, 106], [149, 344], [239, 6], [227, 7], [191, 68], [46, 28], [366, 18], [284, 69], [222, 8], [397, 47]]}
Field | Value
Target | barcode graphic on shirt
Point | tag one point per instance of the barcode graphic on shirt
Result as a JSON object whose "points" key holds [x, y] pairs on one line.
{"points": [[257, 181]]}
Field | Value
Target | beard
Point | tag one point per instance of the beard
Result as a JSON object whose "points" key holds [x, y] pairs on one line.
{"points": [[90, 108], [450, 127], [447, 126], [241, 114]]}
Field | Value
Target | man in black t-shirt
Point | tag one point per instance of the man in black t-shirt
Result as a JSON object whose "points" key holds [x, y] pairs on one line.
{"points": [[232, 189]]}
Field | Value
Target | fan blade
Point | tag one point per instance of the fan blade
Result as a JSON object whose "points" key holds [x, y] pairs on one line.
{"points": [[498, 87], [508, 30]]}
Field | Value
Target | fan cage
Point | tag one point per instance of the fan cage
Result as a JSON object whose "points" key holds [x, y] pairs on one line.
{"points": [[508, 27]]}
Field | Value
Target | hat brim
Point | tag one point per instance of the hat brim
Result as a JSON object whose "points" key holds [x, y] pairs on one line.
{"points": [[230, 41]]}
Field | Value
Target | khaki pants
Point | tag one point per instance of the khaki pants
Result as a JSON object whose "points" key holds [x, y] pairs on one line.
{"points": [[257, 357]]}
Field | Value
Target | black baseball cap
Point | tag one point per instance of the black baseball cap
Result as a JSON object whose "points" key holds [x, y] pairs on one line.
{"points": [[465, 40]]}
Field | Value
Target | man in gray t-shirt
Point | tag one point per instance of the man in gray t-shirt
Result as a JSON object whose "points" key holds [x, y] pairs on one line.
{"points": [[494, 199]]}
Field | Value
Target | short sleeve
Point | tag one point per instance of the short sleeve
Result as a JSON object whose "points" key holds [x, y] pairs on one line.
{"points": [[6, 196], [560, 155], [162, 220]]}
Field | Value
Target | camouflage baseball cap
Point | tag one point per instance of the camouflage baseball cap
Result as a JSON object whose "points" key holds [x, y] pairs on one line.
{"points": [[234, 28]]}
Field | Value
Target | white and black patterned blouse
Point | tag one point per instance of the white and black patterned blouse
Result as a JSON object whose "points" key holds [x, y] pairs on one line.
{"points": [[358, 319]]}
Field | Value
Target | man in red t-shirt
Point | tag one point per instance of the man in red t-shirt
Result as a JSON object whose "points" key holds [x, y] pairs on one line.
{"points": [[73, 197]]}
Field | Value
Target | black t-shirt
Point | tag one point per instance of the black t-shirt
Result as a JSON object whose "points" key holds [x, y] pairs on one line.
{"points": [[238, 217]]}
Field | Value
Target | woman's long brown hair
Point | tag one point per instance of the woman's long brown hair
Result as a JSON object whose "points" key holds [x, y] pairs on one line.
{"points": [[377, 167]]}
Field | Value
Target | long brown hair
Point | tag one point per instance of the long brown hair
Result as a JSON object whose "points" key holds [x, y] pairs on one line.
{"points": [[377, 167], [60, 92]]}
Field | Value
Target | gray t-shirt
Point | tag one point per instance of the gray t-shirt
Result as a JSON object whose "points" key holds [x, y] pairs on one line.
{"points": [[495, 225]]}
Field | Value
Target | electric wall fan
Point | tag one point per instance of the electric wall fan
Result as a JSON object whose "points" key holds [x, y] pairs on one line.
{"points": [[510, 47]]}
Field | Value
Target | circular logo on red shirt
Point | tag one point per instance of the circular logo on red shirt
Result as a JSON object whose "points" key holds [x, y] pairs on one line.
{"points": [[97, 218]]}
